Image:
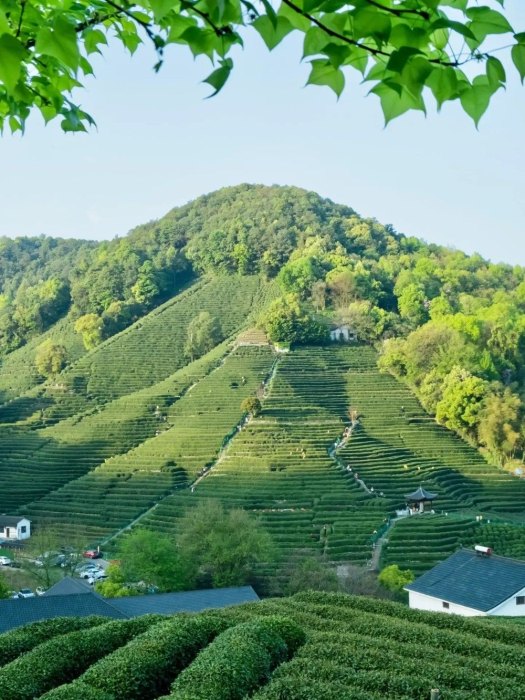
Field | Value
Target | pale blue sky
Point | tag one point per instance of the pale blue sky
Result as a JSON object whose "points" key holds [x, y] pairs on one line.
{"points": [[160, 144]]}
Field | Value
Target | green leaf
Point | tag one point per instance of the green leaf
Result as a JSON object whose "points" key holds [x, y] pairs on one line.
{"points": [[495, 73], [439, 38], [324, 73], [368, 22], [162, 7], [200, 40], [314, 41], [445, 23], [218, 78], [92, 38], [396, 101], [60, 42], [475, 99], [518, 58], [415, 74], [296, 20], [178, 25], [403, 35], [485, 21], [11, 55], [399, 58], [443, 82], [273, 34]]}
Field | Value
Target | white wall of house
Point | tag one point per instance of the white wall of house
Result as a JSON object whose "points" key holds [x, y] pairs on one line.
{"points": [[343, 333], [420, 601], [20, 531], [510, 606]]}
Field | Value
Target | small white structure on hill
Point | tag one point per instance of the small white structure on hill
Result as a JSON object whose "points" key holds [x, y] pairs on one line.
{"points": [[343, 333], [472, 582], [14, 528]]}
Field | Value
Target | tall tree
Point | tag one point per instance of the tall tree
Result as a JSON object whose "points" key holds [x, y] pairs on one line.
{"points": [[499, 424], [50, 358], [153, 558], [224, 546], [202, 335]]}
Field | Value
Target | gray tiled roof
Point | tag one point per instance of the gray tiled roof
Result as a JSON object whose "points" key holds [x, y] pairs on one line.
{"points": [[474, 580], [10, 520], [185, 601], [421, 494], [15, 613], [69, 586]]}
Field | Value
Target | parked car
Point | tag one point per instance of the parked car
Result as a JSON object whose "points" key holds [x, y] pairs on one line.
{"points": [[5, 561], [96, 577], [90, 573], [40, 590], [26, 593], [92, 554]]}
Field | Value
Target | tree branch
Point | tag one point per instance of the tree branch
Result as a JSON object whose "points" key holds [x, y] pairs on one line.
{"points": [[331, 32], [352, 42], [400, 11], [22, 10]]}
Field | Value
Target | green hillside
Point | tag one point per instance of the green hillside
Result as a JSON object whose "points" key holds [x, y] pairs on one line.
{"points": [[311, 646], [117, 408]]}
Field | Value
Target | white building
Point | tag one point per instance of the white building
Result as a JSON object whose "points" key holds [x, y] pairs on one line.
{"points": [[472, 582], [343, 334], [13, 528]]}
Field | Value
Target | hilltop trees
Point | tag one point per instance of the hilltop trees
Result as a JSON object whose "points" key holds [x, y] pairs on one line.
{"points": [[407, 50]]}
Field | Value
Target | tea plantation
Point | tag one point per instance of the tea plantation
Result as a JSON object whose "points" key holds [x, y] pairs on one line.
{"points": [[312, 646], [133, 432], [100, 426]]}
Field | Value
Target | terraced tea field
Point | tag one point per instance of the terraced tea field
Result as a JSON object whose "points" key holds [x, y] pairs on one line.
{"points": [[133, 452], [279, 467], [102, 405], [190, 433]]}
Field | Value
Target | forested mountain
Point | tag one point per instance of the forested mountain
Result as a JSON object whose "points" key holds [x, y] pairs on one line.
{"points": [[143, 377], [452, 325]]}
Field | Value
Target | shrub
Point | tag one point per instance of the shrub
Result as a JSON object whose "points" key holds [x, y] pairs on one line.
{"points": [[145, 667], [18, 641], [62, 659], [76, 691], [394, 578], [238, 661]]}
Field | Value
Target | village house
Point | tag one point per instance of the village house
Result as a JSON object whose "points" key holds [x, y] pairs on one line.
{"points": [[472, 582], [14, 528], [343, 333]]}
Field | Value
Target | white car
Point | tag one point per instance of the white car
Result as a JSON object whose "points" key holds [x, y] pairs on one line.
{"points": [[90, 573], [95, 578], [26, 593], [5, 561]]}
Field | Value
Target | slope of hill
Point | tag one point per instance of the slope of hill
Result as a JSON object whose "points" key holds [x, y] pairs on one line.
{"points": [[130, 430], [315, 646]]}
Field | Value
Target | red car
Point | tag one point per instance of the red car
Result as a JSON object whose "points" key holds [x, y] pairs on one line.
{"points": [[92, 554]]}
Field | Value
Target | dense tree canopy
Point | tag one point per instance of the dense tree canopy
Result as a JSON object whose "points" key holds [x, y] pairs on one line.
{"points": [[405, 49]]}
